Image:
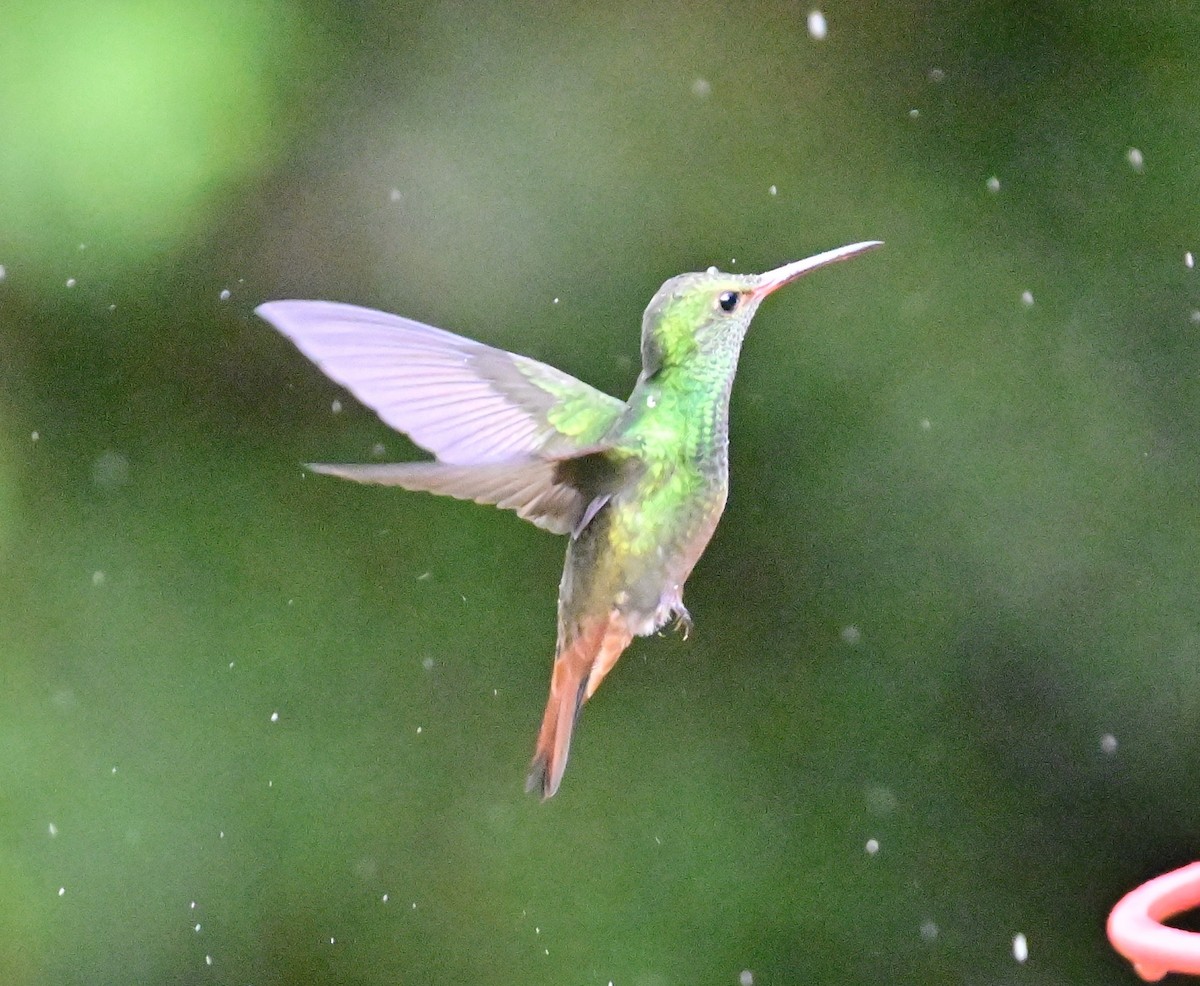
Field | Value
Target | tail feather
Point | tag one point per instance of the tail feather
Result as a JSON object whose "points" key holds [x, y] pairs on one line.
{"points": [[579, 667]]}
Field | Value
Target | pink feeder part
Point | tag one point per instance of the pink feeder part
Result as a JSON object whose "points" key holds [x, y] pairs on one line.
{"points": [[1136, 930]]}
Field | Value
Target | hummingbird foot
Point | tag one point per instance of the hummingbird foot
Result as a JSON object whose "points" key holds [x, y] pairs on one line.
{"points": [[683, 621]]}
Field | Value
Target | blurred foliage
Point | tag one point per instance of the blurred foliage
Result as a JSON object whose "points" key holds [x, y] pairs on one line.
{"points": [[127, 121], [263, 727]]}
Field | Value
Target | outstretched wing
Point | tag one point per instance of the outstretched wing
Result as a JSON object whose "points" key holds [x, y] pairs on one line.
{"points": [[465, 402], [537, 489]]}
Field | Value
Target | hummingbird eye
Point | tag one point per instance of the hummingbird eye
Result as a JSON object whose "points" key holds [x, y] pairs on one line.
{"points": [[727, 301]]}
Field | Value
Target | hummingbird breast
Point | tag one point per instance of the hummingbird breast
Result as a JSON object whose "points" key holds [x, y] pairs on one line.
{"points": [[637, 553]]}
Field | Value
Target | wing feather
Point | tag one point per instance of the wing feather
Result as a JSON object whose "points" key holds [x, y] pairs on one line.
{"points": [[465, 402], [535, 488]]}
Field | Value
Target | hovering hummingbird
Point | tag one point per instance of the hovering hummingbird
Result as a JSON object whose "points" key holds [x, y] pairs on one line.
{"points": [[637, 485]]}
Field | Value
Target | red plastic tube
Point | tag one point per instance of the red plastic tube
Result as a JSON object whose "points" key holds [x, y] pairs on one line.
{"points": [[1136, 930]]}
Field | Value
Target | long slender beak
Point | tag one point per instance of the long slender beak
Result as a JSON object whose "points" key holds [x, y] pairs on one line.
{"points": [[772, 280]]}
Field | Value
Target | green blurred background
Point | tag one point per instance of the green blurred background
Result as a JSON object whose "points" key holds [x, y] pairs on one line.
{"points": [[261, 727]]}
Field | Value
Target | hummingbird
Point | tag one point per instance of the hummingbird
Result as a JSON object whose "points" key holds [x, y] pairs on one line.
{"points": [[637, 485]]}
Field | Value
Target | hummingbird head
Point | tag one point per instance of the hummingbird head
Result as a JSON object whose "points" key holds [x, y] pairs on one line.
{"points": [[708, 314]]}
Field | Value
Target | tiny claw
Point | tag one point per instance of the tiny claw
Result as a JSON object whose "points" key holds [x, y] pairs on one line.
{"points": [[683, 621]]}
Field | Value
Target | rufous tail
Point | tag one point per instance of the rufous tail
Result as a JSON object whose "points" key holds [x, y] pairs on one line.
{"points": [[579, 667]]}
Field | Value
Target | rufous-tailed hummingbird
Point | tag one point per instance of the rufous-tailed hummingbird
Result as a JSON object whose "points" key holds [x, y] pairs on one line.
{"points": [[637, 485]]}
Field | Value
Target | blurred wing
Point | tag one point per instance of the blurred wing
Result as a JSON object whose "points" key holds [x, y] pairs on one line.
{"points": [[539, 490], [465, 402]]}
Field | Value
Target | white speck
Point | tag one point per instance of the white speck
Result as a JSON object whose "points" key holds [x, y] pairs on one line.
{"points": [[1136, 160], [395, 195], [34, 436], [419, 728], [231, 663], [1026, 298], [270, 783], [112, 307], [872, 847], [926, 424], [208, 960], [701, 88], [914, 113], [537, 930], [53, 830], [772, 190], [545, 951], [274, 717], [1195, 316], [414, 905], [993, 184], [113, 771], [1188, 260], [97, 578], [332, 940], [225, 294], [745, 978], [384, 898], [851, 635], [427, 663], [61, 891], [554, 302], [3, 272], [336, 407], [71, 282], [929, 930], [712, 270], [82, 247], [379, 450], [651, 400], [424, 575], [192, 906], [197, 928], [817, 27], [221, 834], [1020, 947], [1108, 744], [495, 693], [936, 75]]}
